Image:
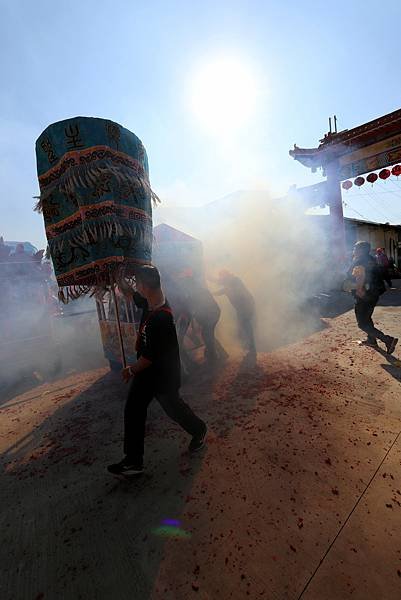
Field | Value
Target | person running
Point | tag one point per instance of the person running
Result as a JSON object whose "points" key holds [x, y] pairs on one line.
{"points": [[156, 374], [242, 300], [367, 286]]}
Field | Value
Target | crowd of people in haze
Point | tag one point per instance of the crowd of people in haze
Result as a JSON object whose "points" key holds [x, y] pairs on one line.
{"points": [[166, 316], [19, 261], [157, 371], [23, 275], [170, 303], [192, 301]]}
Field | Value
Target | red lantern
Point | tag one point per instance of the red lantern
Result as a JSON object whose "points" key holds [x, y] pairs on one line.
{"points": [[396, 170], [359, 181], [346, 185], [384, 174], [372, 177]]}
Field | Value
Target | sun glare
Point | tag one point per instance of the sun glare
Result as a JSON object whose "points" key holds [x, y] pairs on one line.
{"points": [[223, 95]]}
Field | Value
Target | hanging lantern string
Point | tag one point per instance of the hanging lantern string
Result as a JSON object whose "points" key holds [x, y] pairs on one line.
{"points": [[372, 177], [384, 174]]}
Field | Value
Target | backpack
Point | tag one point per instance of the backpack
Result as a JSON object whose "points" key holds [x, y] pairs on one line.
{"points": [[374, 282]]}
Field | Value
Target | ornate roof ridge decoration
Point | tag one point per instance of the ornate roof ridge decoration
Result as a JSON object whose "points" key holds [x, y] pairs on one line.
{"points": [[348, 136], [335, 145]]}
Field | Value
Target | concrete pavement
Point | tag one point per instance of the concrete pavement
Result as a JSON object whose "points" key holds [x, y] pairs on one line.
{"points": [[297, 495]]}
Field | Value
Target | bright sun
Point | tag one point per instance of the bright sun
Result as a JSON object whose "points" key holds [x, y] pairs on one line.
{"points": [[223, 95]]}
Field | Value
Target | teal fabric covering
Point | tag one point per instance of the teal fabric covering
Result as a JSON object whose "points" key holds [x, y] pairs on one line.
{"points": [[96, 200]]}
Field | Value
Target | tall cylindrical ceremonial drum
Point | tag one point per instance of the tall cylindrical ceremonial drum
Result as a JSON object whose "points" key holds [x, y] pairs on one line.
{"points": [[96, 201]]}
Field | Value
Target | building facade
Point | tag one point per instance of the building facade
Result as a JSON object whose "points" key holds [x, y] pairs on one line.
{"points": [[379, 235]]}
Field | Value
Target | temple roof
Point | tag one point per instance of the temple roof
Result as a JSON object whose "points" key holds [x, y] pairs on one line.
{"points": [[334, 145]]}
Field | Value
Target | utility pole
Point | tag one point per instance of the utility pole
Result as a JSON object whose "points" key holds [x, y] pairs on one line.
{"points": [[334, 197]]}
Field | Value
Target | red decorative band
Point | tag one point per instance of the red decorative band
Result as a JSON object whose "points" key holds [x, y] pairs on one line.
{"points": [[89, 274]]}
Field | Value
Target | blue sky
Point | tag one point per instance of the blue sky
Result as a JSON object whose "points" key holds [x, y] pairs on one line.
{"points": [[134, 62]]}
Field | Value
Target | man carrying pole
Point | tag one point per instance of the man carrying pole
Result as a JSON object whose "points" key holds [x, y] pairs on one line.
{"points": [[156, 374]]}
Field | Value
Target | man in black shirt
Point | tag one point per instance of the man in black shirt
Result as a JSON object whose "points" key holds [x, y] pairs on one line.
{"points": [[156, 374], [367, 286]]}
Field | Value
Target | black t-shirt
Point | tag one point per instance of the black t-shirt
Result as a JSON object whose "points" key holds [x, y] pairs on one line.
{"points": [[157, 341]]}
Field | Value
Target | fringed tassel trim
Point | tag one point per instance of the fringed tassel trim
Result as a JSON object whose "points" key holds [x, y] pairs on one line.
{"points": [[87, 176], [92, 233], [38, 207], [115, 274]]}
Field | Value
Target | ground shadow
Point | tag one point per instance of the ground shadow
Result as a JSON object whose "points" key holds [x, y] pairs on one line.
{"points": [[34, 378], [225, 392], [391, 299], [393, 364], [98, 538], [297, 327], [334, 304]]}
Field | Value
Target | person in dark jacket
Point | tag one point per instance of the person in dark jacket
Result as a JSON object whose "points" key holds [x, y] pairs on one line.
{"points": [[367, 286], [156, 374]]}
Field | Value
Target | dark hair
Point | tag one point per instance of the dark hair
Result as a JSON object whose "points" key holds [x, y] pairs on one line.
{"points": [[149, 276], [363, 246]]}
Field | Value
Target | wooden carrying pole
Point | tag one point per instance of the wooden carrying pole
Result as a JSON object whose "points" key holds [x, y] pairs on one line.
{"points": [[118, 323]]}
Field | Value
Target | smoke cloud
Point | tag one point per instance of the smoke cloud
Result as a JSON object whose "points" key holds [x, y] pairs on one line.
{"points": [[278, 252], [38, 342]]}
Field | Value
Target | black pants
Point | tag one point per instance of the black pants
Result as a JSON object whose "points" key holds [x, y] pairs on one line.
{"points": [[246, 332], [140, 395], [363, 312]]}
